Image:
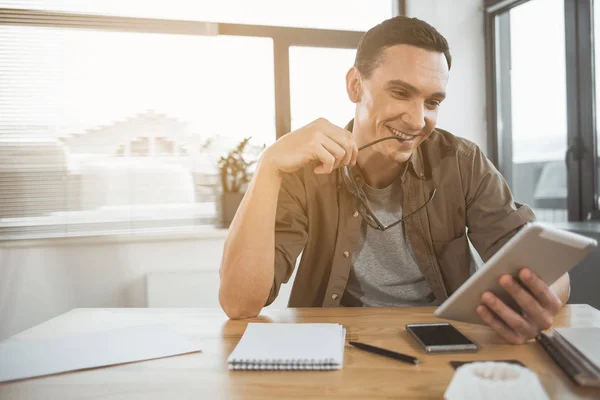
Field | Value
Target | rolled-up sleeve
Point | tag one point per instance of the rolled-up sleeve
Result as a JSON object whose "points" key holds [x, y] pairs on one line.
{"points": [[291, 228], [493, 217]]}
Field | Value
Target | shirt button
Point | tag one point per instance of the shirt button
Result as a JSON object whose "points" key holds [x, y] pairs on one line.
{"points": [[346, 254], [355, 214], [334, 296]]}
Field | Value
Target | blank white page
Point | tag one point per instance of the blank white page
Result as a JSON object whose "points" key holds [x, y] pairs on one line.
{"points": [[36, 357], [586, 340], [278, 342]]}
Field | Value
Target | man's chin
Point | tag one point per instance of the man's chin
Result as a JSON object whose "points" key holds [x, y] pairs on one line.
{"points": [[400, 156]]}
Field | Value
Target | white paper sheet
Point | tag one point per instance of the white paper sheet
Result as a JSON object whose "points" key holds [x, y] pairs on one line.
{"points": [[290, 346], [586, 340], [37, 357]]}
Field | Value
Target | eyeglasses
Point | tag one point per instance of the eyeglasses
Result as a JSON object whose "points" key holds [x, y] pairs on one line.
{"points": [[363, 203]]}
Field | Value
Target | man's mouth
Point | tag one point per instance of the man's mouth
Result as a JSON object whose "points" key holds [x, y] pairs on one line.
{"points": [[400, 134]]}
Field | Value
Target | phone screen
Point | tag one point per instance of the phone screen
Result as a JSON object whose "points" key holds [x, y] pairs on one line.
{"points": [[439, 335]]}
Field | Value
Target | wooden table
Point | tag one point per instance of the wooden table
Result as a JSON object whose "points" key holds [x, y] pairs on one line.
{"points": [[205, 376]]}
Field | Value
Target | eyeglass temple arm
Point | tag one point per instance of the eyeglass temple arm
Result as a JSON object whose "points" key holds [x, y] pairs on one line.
{"points": [[381, 140], [413, 212]]}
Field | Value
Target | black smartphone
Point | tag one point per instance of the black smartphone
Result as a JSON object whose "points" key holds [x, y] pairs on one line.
{"points": [[441, 338]]}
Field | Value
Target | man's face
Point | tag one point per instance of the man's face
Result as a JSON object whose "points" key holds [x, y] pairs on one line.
{"points": [[401, 98]]}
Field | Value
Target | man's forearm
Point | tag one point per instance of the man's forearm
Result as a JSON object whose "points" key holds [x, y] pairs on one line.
{"points": [[562, 288], [247, 268]]}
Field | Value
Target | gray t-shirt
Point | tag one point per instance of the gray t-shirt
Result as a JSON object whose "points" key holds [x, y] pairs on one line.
{"points": [[384, 272]]}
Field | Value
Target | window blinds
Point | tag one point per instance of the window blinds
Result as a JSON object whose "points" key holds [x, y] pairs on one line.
{"points": [[112, 132]]}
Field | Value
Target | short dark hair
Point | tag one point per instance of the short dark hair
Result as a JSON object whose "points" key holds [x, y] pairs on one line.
{"points": [[397, 30]]}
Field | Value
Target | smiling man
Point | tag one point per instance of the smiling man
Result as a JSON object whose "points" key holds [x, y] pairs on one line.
{"points": [[386, 225]]}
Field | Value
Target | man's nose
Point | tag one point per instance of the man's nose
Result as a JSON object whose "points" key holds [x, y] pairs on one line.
{"points": [[414, 117]]}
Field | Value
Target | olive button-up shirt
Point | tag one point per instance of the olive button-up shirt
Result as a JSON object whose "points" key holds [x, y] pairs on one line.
{"points": [[317, 216]]}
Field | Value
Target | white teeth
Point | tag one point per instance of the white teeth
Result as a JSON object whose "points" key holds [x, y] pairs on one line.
{"points": [[399, 134]]}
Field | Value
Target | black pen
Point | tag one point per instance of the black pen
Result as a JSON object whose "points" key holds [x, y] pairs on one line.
{"points": [[386, 353]]}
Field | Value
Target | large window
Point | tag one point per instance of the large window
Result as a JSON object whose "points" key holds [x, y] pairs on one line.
{"points": [[596, 61], [114, 125], [352, 15], [119, 131], [318, 85], [532, 86], [541, 111]]}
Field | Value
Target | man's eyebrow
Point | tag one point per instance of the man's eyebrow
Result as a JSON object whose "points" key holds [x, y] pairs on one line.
{"points": [[411, 88]]}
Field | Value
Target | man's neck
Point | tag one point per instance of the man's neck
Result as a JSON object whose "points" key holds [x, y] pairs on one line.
{"points": [[379, 172]]}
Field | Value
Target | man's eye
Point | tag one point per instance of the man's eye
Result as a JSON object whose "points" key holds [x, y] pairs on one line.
{"points": [[400, 94], [433, 104]]}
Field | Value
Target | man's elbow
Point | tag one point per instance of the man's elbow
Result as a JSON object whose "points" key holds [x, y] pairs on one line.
{"points": [[237, 312], [236, 309], [567, 288], [562, 288]]}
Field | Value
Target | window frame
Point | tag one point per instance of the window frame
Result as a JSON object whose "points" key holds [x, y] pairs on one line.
{"points": [[282, 37], [580, 156]]}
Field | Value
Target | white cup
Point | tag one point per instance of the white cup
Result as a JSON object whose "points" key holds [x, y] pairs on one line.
{"points": [[494, 380]]}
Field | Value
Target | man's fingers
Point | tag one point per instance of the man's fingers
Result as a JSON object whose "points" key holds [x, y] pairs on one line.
{"points": [[513, 320], [347, 144], [348, 147], [532, 307], [343, 138], [335, 149], [341, 148], [354, 154], [542, 292], [500, 327], [327, 160]]}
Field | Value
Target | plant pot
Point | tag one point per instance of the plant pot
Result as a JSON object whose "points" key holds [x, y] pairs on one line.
{"points": [[229, 203]]}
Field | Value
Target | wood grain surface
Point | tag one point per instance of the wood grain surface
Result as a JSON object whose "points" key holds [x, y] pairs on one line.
{"points": [[205, 375]]}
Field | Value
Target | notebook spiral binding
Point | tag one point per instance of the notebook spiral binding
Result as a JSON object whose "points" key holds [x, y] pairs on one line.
{"points": [[308, 364]]}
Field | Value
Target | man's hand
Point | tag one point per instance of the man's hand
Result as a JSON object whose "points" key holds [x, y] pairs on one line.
{"points": [[328, 145], [537, 300]]}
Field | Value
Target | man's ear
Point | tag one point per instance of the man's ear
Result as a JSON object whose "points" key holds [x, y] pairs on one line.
{"points": [[354, 85]]}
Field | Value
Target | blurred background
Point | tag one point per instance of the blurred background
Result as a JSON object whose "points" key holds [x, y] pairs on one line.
{"points": [[123, 126]]}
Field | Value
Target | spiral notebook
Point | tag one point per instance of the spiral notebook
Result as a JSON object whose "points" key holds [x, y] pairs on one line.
{"points": [[277, 346]]}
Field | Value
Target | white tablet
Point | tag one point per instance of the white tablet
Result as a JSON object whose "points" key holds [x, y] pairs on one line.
{"points": [[547, 251]]}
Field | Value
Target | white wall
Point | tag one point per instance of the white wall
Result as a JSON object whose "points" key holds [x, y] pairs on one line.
{"points": [[461, 22], [43, 281]]}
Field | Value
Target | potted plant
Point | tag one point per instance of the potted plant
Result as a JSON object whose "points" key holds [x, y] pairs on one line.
{"points": [[234, 173]]}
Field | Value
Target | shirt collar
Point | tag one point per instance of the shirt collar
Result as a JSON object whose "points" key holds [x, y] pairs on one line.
{"points": [[415, 162]]}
